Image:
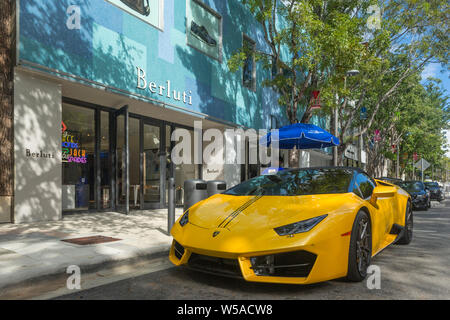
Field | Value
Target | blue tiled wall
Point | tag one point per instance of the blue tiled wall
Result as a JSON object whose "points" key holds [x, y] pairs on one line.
{"points": [[112, 43]]}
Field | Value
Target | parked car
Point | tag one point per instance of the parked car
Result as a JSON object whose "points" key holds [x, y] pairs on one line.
{"points": [[420, 194], [295, 226], [435, 190], [395, 181]]}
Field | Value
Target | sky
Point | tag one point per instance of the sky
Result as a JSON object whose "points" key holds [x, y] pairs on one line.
{"points": [[435, 70]]}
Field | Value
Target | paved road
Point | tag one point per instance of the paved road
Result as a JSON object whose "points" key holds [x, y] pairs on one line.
{"points": [[417, 271]]}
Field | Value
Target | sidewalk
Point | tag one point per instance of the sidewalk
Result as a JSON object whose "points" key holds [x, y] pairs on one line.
{"points": [[33, 250]]}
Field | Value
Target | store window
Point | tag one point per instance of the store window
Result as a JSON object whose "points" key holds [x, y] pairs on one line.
{"points": [[204, 29], [150, 11], [78, 158], [152, 165], [249, 70], [134, 161], [185, 171], [105, 161], [168, 161]]}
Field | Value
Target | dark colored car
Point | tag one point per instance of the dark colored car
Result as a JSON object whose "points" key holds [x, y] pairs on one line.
{"points": [[435, 191], [391, 180], [420, 196]]}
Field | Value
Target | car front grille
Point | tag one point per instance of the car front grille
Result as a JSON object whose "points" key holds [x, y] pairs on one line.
{"points": [[178, 250], [214, 265], [287, 264]]}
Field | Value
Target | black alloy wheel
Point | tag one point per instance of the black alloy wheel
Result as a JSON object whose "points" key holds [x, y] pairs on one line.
{"points": [[409, 223], [360, 250]]}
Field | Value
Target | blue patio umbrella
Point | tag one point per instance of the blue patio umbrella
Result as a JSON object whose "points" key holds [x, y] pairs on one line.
{"points": [[302, 136]]}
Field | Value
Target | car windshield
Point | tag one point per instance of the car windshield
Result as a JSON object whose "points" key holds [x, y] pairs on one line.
{"points": [[412, 186], [296, 183], [432, 184]]}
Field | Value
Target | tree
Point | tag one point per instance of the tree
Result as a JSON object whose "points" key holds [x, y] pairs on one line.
{"points": [[424, 129], [312, 45], [306, 41], [411, 34], [412, 120], [6, 98]]}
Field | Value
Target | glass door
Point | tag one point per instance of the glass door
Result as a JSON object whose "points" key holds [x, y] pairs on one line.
{"points": [[152, 166], [122, 182]]}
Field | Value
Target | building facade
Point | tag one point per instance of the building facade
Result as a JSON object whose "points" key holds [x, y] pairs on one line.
{"points": [[101, 85]]}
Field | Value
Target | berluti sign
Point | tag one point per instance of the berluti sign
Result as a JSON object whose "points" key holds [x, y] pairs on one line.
{"points": [[164, 90], [37, 149], [39, 154]]}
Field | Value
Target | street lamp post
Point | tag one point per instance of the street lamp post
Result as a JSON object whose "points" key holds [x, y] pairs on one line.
{"points": [[349, 73]]}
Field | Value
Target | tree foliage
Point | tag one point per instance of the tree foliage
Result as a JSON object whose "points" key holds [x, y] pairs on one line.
{"points": [[313, 44]]}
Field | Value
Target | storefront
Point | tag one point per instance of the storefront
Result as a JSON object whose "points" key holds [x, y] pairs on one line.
{"points": [[114, 160], [101, 85]]}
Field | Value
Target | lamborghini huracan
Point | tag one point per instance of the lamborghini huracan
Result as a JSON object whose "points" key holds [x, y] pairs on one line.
{"points": [[297, 226]]}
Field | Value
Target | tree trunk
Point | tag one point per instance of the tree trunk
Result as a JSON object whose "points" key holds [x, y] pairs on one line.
{"points": [[340, 153], [293, 158], [7, 45]]}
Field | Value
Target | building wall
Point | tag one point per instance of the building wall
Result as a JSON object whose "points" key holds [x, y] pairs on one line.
{"points": [[37, 149], [108, 45]]}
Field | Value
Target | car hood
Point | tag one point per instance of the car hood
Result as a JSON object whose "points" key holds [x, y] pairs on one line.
{"points": [[253, 212]]}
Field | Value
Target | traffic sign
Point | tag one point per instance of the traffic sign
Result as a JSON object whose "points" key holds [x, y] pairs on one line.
{"points": [[422, 164]]}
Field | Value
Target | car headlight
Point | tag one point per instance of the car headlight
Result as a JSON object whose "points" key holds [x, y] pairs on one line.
{"points": [[184, 219], [299, 227]]}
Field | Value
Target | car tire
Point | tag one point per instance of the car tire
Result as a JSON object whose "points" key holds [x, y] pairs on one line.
{"points": [[360, 249], [409, 223]]}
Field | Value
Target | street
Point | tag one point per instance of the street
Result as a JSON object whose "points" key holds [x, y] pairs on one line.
{"points": [[416, 271]]}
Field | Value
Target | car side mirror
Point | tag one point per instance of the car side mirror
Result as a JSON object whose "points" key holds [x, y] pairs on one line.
{"points": [[382, 192]]}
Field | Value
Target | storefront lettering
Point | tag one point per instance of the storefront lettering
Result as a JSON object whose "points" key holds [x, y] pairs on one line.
{"points": [[40, 154], [166, 90]]}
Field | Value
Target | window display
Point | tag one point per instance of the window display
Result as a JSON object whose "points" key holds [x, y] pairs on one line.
{"points": [[204, 29], [78, 154], [149, 11]]}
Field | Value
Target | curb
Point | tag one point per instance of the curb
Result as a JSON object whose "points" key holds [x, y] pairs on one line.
{"points": [[160, 252]]}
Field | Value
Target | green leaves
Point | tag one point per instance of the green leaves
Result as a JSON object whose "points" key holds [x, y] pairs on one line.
{"points": [[315, 43]]}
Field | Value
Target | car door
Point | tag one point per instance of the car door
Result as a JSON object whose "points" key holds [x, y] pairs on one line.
{"points": [[381, 212]]}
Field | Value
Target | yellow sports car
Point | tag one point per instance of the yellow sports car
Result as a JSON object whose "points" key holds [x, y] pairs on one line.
{"points": [[296, 226]]}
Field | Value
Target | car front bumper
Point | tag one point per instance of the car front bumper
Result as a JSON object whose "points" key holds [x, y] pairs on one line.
{"points": [[420, 203], [315, 259]]}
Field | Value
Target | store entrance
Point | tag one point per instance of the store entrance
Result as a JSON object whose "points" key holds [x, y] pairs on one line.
{"points": [[114, 160], [140, 163], [122, 157], [152, 164]]}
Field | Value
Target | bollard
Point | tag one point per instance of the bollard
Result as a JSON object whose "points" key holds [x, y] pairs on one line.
{"points": [[171, 205]]}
